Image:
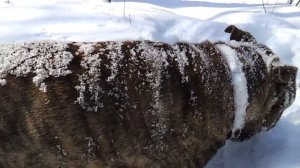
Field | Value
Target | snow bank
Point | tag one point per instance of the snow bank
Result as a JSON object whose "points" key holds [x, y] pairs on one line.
{"points": [[277, 148]]}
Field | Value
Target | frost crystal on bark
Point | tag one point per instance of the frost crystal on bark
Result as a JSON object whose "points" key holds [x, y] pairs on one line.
{"points": [[42, 59], [89, 80], [157, 61]]}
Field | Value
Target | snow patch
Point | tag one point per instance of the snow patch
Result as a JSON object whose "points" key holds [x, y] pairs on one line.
{"points": [[89, 80], [43, 59], [239, 83], [181, 58], [266, 54], [86, 48], [156, 58], [3, 82], [202, 54]]}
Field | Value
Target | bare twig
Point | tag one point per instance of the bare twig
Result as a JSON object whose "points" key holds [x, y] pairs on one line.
{"points": [[129, 18], [263, 3], [275, 6], [7, 1], [264, 6], [124, 9]]}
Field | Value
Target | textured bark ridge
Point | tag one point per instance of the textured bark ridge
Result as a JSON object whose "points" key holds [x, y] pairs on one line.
{"points": [[136, 103]]}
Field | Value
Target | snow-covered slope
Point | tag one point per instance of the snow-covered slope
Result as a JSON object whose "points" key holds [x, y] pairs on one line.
{"points": [[171, 21]]}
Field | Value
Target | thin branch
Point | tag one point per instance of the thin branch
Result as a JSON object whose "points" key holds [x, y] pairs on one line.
{"points": [[263, 3], [275, 6], [124, 9]]}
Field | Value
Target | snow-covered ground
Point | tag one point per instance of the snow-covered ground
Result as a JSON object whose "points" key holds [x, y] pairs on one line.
{"points": [[171, 21]]}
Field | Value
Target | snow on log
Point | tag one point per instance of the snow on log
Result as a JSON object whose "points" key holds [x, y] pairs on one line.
{"points": [[136, 103]]}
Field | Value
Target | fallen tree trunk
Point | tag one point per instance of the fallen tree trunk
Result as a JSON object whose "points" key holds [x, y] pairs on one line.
{"points": [[136, 103]]}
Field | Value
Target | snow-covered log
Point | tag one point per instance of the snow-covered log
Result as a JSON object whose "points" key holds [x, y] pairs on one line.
{"points": [[136, 103]]}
